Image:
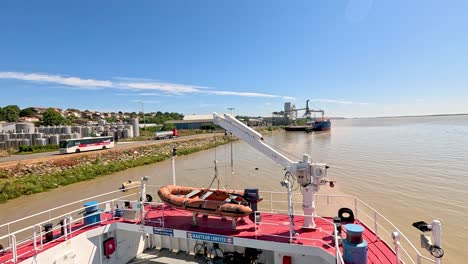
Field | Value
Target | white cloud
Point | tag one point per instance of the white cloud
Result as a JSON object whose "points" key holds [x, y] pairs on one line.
{"points": [[244, 94], [132, 84], [149, 94], [70, 81], [333, 101], [131, 79], [163, 87]]}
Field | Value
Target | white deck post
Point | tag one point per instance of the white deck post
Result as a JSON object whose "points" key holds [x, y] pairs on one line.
{"points": [[13, 248], [376, 226], [142, 199], [291, 213], [396, 243], [174, 154], [437, 236], [35, 236], [65, 228]]}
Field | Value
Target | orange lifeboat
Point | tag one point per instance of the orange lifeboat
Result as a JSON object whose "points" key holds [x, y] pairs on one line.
{"points": [[206, 201]]}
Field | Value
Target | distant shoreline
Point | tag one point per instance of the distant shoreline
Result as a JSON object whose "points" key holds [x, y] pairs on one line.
{"points": [[463, 114]]}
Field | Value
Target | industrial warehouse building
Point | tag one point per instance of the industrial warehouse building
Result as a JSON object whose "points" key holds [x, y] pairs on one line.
{"points": [[192, 121]]}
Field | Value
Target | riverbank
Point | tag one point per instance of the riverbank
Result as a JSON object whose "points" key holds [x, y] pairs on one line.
{"points": [[25, 179], [37, 175]]}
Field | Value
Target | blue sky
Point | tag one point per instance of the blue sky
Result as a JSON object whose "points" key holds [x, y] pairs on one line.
{"points": [[351, 58]]}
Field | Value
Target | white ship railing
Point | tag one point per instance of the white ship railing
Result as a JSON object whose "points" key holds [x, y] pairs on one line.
{"points": [[373, 220], [27, 228], [32, 233]]}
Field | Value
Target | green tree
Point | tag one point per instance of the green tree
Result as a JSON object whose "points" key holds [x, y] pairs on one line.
{"points": [[71, 119], [11, 113], [52, 118], [27, 112], [2, 114], [111, 119], [168, 126]]}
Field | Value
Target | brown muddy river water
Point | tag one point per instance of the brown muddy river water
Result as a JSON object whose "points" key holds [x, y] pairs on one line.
{"points": [[409, 169]]}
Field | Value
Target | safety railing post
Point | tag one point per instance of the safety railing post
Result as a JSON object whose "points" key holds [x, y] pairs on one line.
{"points": [[34, 239], [397, 245], [65, 228], [337, 246], [355, 208], [35, 236], [70, 220], [255, 226], [437, 237], [142, 201], [271, 202], [162, 206], [376, 226], [14, 251]]}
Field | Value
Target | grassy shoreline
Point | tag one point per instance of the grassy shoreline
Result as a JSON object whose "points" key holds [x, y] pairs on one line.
{"points": [[29, 184]]}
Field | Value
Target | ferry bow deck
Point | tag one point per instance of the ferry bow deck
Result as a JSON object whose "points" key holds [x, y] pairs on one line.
{"points": [[274, 228], [172, 228]]}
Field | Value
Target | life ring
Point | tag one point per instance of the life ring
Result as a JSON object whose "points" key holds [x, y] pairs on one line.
{"points": [[346, 219], [149, 198]]}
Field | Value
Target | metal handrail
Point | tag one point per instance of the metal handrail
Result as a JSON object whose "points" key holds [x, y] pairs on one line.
{"points": [[377, 217], [68, 222], [62, 206], [66, 214]]}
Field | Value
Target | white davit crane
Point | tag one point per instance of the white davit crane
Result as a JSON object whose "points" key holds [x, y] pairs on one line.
{"points": [[309, 175]]}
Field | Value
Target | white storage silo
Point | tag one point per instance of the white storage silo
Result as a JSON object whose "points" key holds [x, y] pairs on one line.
{"points": [[26, 142], [54, 140], [136, 127], [67, 130]]}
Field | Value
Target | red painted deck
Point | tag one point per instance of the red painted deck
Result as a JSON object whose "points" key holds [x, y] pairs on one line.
{"points": [[322, 237], [273, 227]]}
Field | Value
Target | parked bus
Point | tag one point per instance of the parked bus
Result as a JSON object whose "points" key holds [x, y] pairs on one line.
{"points": [[86, 144]]}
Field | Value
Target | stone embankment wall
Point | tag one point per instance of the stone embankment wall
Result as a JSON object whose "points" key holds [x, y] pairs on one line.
{"points": [[40, 176], [67, 162]]}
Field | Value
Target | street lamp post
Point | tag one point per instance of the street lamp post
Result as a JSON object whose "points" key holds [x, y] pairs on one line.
{"points": [[144, 119]]}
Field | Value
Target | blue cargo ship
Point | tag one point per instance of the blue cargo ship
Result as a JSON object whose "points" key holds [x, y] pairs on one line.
{"points": [[323, 125]]}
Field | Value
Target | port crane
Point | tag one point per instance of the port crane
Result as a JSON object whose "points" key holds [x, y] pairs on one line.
{"points": [[308, 111], [309, 175]]}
